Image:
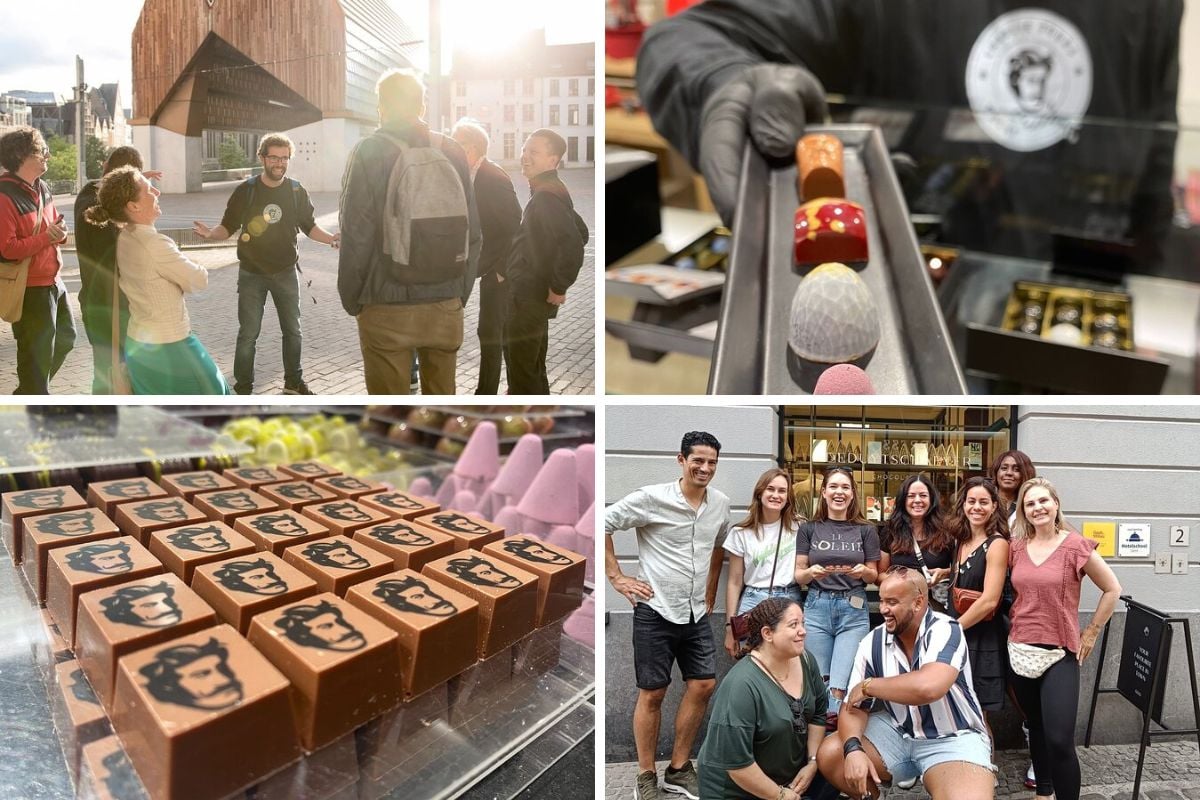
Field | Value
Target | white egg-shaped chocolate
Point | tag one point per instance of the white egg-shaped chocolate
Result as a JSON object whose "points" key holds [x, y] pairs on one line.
{"points": [[834, 319]]}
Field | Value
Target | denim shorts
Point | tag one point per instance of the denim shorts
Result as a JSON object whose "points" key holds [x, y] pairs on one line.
{"points": [[658, 644], [907, 758], [752, 595], [834, 628]]}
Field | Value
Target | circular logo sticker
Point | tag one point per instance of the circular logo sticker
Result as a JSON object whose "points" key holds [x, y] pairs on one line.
{"points": [[272, 213], [1029, 79]]}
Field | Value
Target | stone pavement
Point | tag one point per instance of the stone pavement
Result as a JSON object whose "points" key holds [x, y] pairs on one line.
{"points": [[331, 358], [1171, 772]]}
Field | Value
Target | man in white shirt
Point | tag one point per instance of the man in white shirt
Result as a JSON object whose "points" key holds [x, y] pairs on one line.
{"points": [[932, 726], [680, 527]]}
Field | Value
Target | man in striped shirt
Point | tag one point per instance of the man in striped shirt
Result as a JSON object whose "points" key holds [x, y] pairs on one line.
{"points": [[930, 725]]}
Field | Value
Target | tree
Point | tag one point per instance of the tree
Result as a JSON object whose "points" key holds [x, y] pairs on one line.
{"points": [[230, 153], [94, 156], [62, 159]]}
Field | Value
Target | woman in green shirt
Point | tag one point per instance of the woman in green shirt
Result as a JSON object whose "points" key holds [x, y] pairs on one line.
{"points": [[768, 715]]}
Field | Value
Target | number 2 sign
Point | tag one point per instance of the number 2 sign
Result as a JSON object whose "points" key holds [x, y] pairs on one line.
{"points": [[1180, 535]]}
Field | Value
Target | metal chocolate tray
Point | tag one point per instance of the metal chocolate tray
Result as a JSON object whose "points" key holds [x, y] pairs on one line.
{"points": [[751, 356]]}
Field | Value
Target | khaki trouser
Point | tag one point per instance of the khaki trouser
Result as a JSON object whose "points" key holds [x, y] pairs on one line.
{"points": [[390, 334]]}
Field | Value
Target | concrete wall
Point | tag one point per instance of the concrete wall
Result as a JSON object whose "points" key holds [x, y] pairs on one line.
{"points": [[179, 157], [1126, 463]]}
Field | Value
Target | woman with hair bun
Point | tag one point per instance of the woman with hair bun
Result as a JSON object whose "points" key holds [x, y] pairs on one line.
{"points": [[768, 714], [161, 352]]}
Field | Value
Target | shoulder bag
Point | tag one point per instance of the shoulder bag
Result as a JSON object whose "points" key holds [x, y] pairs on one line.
{"points": [[937, 591], [965, 598], [120, 373], [740, 623], [14, 277]]}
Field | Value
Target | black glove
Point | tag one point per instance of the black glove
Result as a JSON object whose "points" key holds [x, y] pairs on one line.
{"points": [[774, 101]]}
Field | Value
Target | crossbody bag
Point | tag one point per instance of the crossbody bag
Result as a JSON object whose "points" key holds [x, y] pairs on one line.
{"points": [[740, 623]]}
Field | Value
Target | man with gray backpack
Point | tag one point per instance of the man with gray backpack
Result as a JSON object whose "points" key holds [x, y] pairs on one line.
{"points": [[410, 244]]}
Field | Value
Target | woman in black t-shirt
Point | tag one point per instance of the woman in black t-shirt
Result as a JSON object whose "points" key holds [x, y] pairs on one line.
{"points": [[916, 536]]}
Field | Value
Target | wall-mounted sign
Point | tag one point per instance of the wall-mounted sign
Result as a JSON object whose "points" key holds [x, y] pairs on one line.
{"points": [[1133, 540], [1180, 535], [1104, 534]]}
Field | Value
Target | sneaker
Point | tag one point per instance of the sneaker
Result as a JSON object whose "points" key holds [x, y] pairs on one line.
{"points": [[1030, 778], [241, 389], [907, 784], [299, 388], [647, 786], [682, 781]]}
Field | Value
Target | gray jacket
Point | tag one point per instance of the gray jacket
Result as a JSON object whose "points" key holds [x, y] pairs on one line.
{"points": [[363, 278]]}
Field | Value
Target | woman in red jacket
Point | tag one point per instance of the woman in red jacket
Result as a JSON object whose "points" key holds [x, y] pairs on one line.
{"points": [[45, 332]]}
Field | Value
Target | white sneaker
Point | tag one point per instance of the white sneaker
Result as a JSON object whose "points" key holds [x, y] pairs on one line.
{"points": [[908, 784]]}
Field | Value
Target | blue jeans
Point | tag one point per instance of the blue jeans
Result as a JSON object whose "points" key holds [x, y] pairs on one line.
{"points": [[834, 630], [284, 289], [752, 596]]}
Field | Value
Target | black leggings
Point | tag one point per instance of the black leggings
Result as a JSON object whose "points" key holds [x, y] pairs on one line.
{"points": [[1051, 704]]}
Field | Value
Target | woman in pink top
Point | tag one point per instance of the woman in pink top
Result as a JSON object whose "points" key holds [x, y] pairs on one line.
{"points": [[1048, 564]]}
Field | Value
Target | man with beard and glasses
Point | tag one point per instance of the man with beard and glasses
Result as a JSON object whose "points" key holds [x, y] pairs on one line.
{"points": [[145, 606], [196, 677], [321, 625], [398, 533], [269, 210], [680, 528], [530, 550], [335, 554], [413, 595], [105, 558], [208, 539], [480, 572], [931, 726], [255, 577]]}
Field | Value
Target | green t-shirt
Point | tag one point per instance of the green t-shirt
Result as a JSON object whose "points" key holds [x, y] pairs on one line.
{"points": [[751, 722]]}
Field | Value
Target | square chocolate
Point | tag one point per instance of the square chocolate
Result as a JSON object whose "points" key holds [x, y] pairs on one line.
{"points": [[437, 625], [230, 504], [16, 506], [183, 549], [105, 772], [469, 531], [189, 484], [76, 712], [141, 519], [560, 573], [238, 588], [400, 504], [410, 545], [277, 530], [254, 477], [120, 619], [77, 569], [50, 648], [203, 715], [48, 531], [343, 516], [337, 563], [344, 665], [349, 487], [296, 494], [107, 495], [308, 470], [507, 596]]}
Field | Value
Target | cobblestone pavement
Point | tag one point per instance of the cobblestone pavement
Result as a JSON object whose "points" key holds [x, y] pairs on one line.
{"points": [[331, 358], [1171, 772]]}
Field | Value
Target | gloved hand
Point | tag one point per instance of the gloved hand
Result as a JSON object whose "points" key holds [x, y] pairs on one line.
{"points": [[773, 102]]}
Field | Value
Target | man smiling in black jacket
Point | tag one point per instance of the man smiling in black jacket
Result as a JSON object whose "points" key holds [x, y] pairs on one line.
{"points": [[546, 256]]}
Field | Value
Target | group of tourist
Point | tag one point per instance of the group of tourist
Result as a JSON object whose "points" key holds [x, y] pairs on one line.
{"points": [[422, 215], [980, 603]]}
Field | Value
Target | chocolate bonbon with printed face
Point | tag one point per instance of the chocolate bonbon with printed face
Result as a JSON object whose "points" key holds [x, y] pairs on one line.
{"points": [[16, 506], [349, 487], [78, 715], [238, 588], [203, 715], [184, 548], [72, 571], [120, 619], [142, 518], [279, 530], [231, 504], [189, 484], [344, 516], [337, 563], [401, 504], [107, 495], [51, 531], [410, 545], [437, 625], [308, 470], [256, 477], [560, 573], [469, 532], [507, 596], [296, 494], [344, 665]]}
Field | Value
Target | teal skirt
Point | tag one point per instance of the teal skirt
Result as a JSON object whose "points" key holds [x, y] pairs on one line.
{"points": [[182, 367]]}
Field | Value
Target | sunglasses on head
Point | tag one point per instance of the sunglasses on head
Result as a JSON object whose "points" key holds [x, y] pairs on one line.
{"points": [[835, 470]]}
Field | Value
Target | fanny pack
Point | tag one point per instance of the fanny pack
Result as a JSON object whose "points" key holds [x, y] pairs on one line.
{"points": [[1029, 661]]}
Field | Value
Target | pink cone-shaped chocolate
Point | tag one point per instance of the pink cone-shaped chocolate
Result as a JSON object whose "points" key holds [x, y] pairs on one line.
{"points": [[489, 505], [421, 487], [585, 469], [449, 488], [585, 537], [464, 500], [480, 459], [581, 625], [554, 494], [564, 536], [520, 468], [510, 519]]}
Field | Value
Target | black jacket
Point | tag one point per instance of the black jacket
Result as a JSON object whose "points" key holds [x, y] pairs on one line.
{"points": [[913, 54], [499, 215], [362, 279], [547, 252], [97, 251]]}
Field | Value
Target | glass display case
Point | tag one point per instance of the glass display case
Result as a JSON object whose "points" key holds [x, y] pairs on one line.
{"points": [[884, 445]]}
